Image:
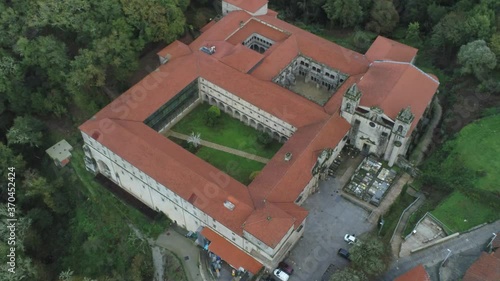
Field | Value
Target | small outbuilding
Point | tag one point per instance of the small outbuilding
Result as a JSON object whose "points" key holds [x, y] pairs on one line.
{"points": [[60, 153]]}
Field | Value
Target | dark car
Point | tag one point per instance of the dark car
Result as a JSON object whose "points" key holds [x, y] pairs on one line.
{"points": [[269, 278], [343, 253], [285, 267]]}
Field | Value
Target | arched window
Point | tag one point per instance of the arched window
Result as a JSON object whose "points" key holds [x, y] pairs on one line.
{"points": [[400, 129]]}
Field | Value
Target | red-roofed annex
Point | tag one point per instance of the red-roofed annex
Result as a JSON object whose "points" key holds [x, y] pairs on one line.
{"points": [[247, 64]]}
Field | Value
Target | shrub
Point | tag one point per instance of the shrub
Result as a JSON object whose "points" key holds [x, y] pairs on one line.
{"points": [[212, 116], [264, 138]]}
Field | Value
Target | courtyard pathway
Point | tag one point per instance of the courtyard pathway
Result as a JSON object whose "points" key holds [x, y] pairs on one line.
{"points": [[222, 148]]}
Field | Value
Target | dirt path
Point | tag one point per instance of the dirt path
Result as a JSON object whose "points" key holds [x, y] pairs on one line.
{"points": [[222, 148]]}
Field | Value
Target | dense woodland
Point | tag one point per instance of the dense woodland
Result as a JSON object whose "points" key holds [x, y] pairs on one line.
{"points": [[61, 61]]}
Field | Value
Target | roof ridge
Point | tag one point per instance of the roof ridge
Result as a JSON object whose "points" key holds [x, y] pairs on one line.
{"points": [[406, 63], [325, 122]]}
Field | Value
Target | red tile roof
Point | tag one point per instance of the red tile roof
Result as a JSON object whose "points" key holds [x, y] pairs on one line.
{"points": [[294, 210], [486, 268], [387, 49], [207, 26], [254, 26], [248, 5], [417, 273], [145, 97], [174, 50], [291, 108], [277, 58], [403, 85], [283, 181], [229, 252], [272, 193], [64, 162], [176, 168], [269, 224], [242, 58], [322, 50]]}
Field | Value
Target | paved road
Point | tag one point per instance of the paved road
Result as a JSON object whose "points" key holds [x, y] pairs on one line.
{"points": [[182, 247], [222, 148], [436, 254]]}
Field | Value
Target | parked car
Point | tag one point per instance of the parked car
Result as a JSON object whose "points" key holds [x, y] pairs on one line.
{"points": [[350, 238], [285, 267], [343, 253], [281, 274]]}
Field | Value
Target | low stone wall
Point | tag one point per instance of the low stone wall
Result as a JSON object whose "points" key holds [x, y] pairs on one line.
{"points": [[435, 242]]}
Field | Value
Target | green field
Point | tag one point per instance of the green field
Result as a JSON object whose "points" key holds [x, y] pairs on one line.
{"points": [[229, 132], [237, 167], [479, 147], [461, 213]]}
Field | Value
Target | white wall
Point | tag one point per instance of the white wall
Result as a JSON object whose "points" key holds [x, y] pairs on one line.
{"points": [[209, 89], [227, 8]]}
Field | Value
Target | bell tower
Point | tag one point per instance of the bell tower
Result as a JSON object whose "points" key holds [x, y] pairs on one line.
{"points": [[350, 102]]}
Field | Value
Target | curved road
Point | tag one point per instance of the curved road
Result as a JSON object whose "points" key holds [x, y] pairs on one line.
{"points": [[476, 239]]}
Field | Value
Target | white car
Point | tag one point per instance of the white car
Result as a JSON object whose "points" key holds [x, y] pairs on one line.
{"points": [[281, 275], [350, 238]]}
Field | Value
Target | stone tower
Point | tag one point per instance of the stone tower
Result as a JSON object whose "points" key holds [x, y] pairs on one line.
{"points": [[350, 101]]}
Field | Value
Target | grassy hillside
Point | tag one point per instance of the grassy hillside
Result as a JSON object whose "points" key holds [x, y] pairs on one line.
{"points": [[478, 144]]}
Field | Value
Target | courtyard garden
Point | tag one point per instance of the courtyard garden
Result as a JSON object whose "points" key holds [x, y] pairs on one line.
{"points": [[237, 167], [229, 133]]}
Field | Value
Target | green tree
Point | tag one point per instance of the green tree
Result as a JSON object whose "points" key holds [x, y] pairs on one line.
{"points": [[26, 131], [156, 20], [495, 44], [8, 159], [384, 17], [346, 12], [212, 116], [361, 40], [367, 256], [413, 35], [476, 58], [348, 274], [12, 86], [449, 33], [435, 13], [264, 139]]}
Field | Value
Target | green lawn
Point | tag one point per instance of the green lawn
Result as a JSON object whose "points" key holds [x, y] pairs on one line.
{"points": [[237, 167], [479, 146], [229, 132], [461, 213]]}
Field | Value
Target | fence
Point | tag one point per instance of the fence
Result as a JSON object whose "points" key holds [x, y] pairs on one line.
{"points": [[402, 214], [446, 229]]}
